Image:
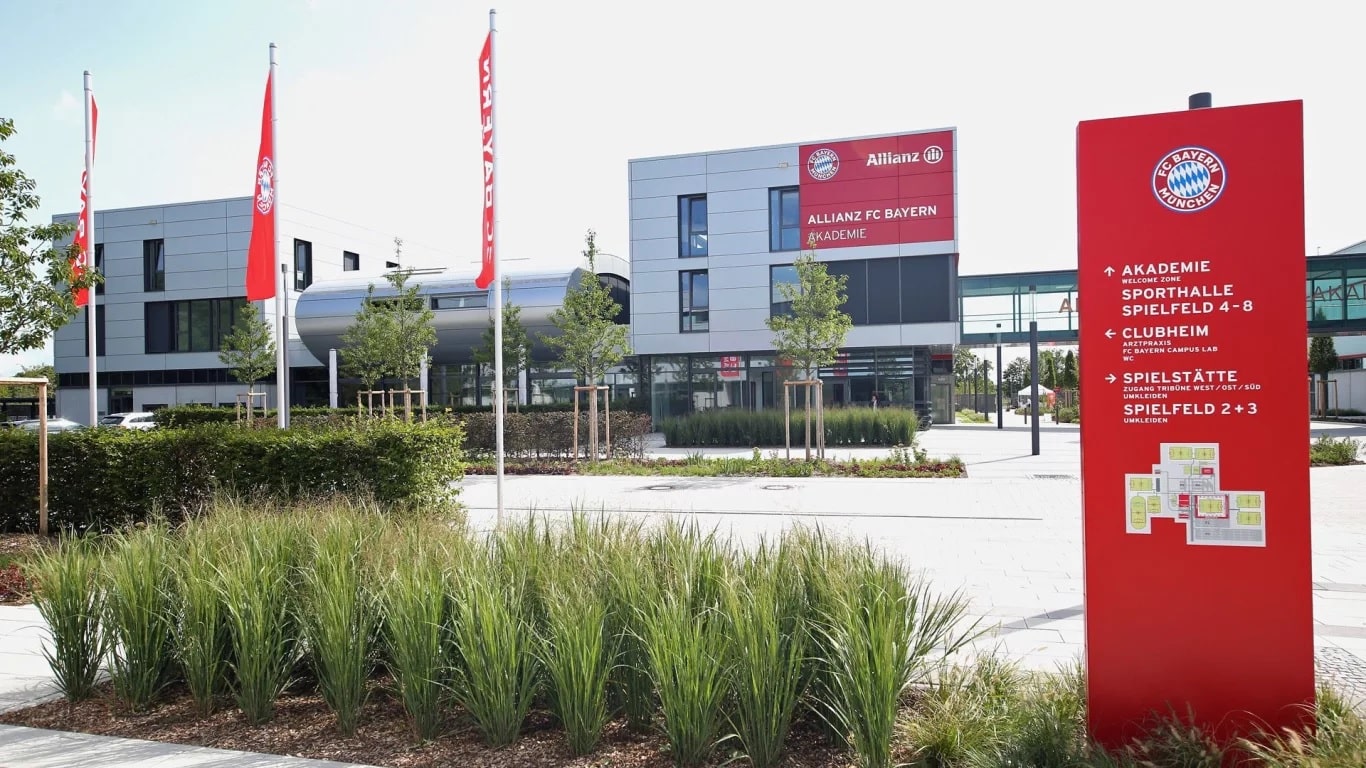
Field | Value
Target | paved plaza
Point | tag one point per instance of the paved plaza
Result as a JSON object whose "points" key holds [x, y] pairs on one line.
{"points": [[1008, 537]]}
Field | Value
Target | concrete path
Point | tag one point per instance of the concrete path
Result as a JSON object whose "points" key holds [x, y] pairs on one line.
{"points": [[36, 748]]}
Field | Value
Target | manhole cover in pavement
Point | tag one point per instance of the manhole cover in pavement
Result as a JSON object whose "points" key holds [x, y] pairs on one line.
{"points": [[659, 487], [777, 487]]}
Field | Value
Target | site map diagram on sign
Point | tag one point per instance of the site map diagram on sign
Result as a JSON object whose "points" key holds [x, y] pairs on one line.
{"points": [[1185, 487]]}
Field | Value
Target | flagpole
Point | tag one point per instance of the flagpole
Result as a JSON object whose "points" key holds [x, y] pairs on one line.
{"points": [[282, 295], [92, 330], [499, 394]]}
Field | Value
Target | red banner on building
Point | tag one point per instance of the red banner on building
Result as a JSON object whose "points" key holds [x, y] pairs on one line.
{"points": [[85, 258], [879, 191], [487, 269], [1194, 435], [730, 366]]}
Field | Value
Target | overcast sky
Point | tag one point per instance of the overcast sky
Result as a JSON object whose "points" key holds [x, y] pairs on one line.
{"points": [[379, 115]]}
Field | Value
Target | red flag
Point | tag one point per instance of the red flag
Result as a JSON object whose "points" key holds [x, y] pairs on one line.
{"points": [[485, 278], [261, 253], [86, 252]]}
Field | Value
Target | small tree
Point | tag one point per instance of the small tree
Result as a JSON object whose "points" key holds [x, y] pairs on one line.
{"points": [[965, 367], [589, 341], [516, 345], [1069, 370], [811, 334], [410, 317], [1016, 376], [1323, 358], [249, 350], [364, 355], [36, 279]]}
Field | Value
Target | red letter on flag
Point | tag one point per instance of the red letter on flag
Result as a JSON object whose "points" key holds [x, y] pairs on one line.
{"points": [[485, 278], [86, 252], [261, 252]]}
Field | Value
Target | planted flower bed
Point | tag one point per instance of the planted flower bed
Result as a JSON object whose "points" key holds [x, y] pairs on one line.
{"points": [[904, 466], [601, 628]]}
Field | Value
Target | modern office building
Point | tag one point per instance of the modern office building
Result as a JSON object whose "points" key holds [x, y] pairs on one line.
{"points": [[714, 235], [174, 282]]}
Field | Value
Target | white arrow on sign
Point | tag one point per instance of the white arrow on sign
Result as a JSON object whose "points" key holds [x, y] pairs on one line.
{"points": [[1110, 378], [1110, 334], [1109, 271]]}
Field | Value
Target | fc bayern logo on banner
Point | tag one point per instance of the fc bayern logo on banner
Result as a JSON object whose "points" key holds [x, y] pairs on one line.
{"points": [[265, 186], [823, 164], [1188, 179]]}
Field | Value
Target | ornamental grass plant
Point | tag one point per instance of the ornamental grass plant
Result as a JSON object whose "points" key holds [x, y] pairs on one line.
{"points": [[70, 597], [140, 614], [200, 636]]}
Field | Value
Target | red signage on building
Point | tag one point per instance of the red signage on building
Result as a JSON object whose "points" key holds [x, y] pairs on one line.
{"points": [[1195, 466], [730, 366], [879, 191]]}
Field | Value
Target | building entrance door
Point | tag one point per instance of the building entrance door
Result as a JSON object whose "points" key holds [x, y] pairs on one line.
{"points": [[942, 400]]}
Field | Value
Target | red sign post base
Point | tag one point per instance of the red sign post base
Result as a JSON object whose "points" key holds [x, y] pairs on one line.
{"points": [[1195, 437]]}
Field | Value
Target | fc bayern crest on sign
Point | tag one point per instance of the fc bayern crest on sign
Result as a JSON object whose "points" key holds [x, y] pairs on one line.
{"points": [[1188, 179], [265, 186], [823, 164]]}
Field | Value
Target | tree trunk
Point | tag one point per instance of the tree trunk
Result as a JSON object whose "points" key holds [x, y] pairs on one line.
{"points": [[593, 422], [808, 420]]}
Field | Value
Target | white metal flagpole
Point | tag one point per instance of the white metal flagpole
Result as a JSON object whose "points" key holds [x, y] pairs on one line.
{"points": [[282, 295], [91, 330], [499, 394]]}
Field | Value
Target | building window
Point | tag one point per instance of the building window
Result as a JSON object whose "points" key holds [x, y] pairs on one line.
{"points": [[350, 261], [153, 265], [99, 331], [461, 301], [692, 225], [197, 325], [694, 302], [303, 264], [784, 220], [99, 267], [778, 276], [120, 400]]}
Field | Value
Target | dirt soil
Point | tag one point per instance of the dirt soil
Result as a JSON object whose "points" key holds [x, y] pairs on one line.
{"points": [[303, 727], [14, 588]]}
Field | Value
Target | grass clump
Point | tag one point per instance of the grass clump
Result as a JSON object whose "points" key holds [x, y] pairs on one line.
{"points": [[339, 613], [768, 615], [201, 639], [259, 594], [139, 614], [495, 672], [70, 599], [577, 651], [881, 629], [1326, 450], [416, 612]]}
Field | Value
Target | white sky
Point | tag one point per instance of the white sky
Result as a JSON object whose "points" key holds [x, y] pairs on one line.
{"points": [[379, 117]]}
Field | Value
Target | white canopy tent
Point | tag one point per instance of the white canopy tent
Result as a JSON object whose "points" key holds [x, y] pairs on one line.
{"points": [[1023, 396]]}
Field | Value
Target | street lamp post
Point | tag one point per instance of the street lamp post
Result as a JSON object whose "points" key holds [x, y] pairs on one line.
{"points": [[1000, 404], [1033, 375]]}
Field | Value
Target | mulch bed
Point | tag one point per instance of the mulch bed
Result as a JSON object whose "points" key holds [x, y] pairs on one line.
{"points": [[14, 588], [303, 727]]}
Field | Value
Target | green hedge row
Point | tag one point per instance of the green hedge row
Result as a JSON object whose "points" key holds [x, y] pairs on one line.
{"points": [[551, 435], [190, 415], [745, 429], [103, 478]]}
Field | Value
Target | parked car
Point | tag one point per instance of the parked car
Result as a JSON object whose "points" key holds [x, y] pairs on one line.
{"points": [[53, 425], [129, 420]]}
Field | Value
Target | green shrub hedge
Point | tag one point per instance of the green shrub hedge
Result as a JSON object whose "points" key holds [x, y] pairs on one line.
{"points": [[190, 415], [1329, 451], [746, 429], [1067, 415], [551, 435], [105, 477]]}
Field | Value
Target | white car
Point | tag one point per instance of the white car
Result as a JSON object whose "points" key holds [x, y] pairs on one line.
{"points": [[130, 420]]}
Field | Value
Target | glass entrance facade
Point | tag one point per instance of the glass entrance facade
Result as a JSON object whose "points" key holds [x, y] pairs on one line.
{"points": [[908, 377]]}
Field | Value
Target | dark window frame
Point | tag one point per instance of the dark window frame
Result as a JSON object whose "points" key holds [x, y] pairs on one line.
{"points": [[693, 318], [154, 265], [302, 283], [776, 228], [99, 267], [350, 261], [776, 306], [687, 231], [206, 322], [99, 331], [472, 300]]}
